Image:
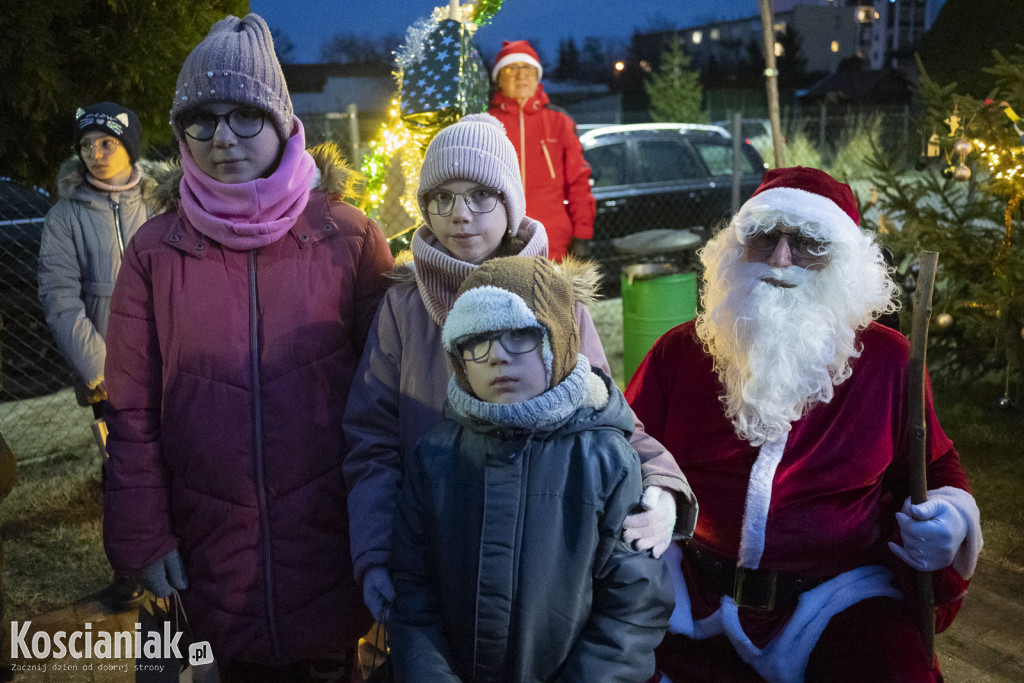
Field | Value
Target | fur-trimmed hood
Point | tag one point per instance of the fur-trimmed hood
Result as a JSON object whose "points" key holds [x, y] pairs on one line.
{"points": [[71, 177], [334, 176], [583, 275]]}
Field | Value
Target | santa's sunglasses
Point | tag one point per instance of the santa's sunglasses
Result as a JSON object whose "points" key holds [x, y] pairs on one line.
{"points": [[800, 246]]}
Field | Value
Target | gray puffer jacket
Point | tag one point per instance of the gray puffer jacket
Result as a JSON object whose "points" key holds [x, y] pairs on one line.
{"points": [[79, 256]]}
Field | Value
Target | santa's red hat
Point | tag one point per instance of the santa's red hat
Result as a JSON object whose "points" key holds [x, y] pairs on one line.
{"points": [[808, 193], [515, 51]]}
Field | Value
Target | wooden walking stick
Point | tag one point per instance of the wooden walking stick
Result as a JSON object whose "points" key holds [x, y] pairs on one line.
{"points": [[918, 432]]}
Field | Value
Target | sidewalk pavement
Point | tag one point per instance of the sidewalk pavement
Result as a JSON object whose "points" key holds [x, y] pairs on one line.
{"points": [[985, 644]]}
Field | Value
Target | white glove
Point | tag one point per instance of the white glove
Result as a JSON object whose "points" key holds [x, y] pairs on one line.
{"points": [[378, 592], [164, 576], [932, 533], [653, 528]]}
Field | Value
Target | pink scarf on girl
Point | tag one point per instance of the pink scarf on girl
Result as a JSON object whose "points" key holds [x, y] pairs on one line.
{"points": [[252, 214]]}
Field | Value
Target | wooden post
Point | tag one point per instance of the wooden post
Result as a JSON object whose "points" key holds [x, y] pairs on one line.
{"points": [[918, 432], [772, 80]]}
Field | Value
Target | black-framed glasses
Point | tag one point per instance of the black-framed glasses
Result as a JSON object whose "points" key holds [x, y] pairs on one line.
{"points": [[245, 122], [106, 146], [477, 347], [800, 246], [479, 199]]}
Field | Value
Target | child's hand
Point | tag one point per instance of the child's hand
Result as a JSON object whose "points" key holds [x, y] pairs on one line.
{"points": [[652, 528]]}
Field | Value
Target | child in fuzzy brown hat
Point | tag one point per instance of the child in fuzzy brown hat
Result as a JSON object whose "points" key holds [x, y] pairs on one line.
{"points": [[506, 553]]}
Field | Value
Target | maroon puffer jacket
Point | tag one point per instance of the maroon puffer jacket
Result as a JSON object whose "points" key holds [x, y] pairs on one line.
{"points": [[228, 373]]}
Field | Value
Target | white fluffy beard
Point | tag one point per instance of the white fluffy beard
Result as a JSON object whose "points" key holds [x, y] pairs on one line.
{"points": [[778, 351]]}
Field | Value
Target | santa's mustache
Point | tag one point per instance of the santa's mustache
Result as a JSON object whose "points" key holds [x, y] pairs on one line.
{"points": [[785, 277]]}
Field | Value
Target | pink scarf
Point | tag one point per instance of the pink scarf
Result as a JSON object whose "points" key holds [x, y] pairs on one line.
{"points": [[252, 214]]}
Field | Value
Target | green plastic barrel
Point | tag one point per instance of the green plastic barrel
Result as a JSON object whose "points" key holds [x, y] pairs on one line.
{"points": [[655, 298]]}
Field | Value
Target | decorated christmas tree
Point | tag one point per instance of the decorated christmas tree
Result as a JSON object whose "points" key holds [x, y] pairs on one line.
{"points": [[440, 78], [963, 198]]}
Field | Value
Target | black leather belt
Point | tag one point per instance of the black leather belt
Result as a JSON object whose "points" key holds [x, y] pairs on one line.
{"points": [[761, 589]]}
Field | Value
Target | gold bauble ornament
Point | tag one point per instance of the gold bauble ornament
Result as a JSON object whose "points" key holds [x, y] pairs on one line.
{"points": [[962, 147], [962, 172], [944, 321]]}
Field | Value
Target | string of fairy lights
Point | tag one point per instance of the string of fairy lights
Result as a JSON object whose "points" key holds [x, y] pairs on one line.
{"points": [[403, 137]]}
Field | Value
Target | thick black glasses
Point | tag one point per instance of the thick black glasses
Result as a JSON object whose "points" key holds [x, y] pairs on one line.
{"points": [[479, 199], [106, 146], [476, 348], [800, 246], [245, 122]]}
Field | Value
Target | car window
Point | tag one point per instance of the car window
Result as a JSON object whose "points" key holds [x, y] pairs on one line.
{"points": [[751, 129], [607, 164], [718, 158], [659, 161]]}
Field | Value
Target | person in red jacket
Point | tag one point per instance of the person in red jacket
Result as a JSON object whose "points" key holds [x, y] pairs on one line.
{"points": [[556, 176], [785, 405]]}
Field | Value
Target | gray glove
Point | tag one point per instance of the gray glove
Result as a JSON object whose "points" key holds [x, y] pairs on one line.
{"points": [[932, 533], [378, 592], [164, 576]]}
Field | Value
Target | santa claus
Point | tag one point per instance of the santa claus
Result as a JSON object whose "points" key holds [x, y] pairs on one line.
{"points": [[785, 405]]}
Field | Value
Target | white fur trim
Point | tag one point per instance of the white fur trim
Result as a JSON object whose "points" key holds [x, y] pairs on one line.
{"points": [[966, 559], [681, 620], [596, 392], [785, 658], [485, 309], [759, 497], [790, 200], [513, 58]]}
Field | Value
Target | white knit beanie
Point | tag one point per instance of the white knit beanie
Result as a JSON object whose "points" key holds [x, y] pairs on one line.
{"points": [[475, 148]]}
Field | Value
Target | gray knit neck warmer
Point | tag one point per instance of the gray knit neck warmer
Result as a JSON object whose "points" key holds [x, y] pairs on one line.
{"points": [[439, 275], [546, 410]]}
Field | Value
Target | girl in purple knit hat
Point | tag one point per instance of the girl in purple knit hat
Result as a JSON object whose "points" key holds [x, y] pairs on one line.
{"points": [[236, 326]]}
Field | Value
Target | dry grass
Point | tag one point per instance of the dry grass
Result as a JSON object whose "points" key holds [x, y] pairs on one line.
{"points": [[52, 532], [989, 440]]}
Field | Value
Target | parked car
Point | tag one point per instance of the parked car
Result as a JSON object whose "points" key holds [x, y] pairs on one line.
{"points": [[33, 366], [757, 132], [669, 178]]}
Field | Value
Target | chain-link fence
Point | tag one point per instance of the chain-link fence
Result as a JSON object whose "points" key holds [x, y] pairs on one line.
{"points": [[643, 181], [38, 412]]}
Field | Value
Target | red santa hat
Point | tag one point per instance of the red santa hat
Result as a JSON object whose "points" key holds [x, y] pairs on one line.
{"points": [[513, 52], [808, 193]]}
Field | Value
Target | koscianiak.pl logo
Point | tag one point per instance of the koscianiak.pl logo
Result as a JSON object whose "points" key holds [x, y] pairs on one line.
{"points": [[62, 646]]}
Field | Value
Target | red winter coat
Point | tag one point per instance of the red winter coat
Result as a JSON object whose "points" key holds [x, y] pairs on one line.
{"points": [[842, 476], [228, 373], [555, 174]]}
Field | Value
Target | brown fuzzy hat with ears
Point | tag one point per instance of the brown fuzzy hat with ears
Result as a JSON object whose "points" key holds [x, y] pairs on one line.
{"points": [[512, 293]]}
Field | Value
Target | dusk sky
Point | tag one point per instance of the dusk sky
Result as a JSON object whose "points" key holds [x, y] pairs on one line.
{"points": [[308, 23]]}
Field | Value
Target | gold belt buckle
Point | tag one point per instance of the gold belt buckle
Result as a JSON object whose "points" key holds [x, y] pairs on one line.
{"points": [[741, 583]]}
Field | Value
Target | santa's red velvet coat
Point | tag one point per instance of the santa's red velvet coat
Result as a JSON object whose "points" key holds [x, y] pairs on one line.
{"points": [[832, 496]]}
